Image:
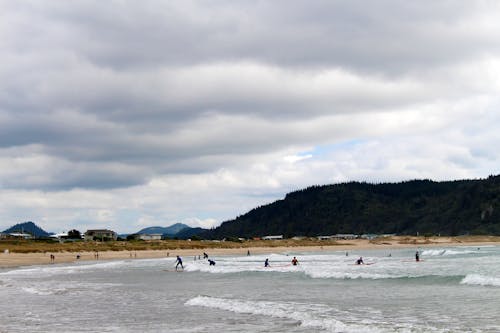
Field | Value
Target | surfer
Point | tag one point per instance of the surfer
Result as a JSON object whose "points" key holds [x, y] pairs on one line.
{"points": [[266, 263], [211, 262], [295, 261], [417, 256], [359, 261], [179, 262], [205, 256]]}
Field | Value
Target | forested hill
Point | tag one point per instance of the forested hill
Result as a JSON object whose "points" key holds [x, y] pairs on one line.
{"points": [[423, 206]]}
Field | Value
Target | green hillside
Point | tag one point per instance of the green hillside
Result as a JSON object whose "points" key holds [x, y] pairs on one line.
{"points": [[423, 206]]}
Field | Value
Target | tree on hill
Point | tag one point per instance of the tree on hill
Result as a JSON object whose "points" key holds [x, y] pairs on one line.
{"points": [[423, 206], [74, 234]]}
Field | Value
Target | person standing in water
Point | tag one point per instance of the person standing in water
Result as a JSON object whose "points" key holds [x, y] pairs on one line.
{"points": [[417, 256], [295, 261], [266, 263], [179, 262]]}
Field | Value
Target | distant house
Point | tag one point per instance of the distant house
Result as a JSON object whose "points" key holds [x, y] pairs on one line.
{"points": [[22, 235], [59, 236], [345, 236], [100, 234], [3, 236], [147, 237], [272, 237]]}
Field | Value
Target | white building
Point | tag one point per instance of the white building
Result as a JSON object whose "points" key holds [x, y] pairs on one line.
{"points": [[147, 237], [100, 234], [272, 237]]}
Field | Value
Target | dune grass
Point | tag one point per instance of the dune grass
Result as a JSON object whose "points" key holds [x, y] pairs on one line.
{"points": [[41, 246]]}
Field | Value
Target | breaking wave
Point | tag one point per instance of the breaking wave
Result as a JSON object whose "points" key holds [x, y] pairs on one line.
{"points": [[481, 280], [318, 318]]}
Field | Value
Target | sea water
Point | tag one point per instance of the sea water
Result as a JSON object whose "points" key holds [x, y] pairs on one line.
{"points": [[453, 289]]}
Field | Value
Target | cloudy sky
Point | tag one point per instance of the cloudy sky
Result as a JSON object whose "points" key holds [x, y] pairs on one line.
{"points": [[128, 114]]}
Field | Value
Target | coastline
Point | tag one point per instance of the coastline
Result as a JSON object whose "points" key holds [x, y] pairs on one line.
{"points": [[12, 260]]}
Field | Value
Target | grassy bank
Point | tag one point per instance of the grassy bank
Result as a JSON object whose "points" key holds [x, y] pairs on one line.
{"points": [[39, 246]]}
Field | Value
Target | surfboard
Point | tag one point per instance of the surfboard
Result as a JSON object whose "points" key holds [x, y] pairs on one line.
{"points": [[174, 270]]}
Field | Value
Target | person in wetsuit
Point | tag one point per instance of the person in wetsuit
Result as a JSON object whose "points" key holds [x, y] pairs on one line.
{"points": [[179, 262]]}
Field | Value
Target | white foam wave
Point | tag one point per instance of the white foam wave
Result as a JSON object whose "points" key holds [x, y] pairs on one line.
{"points": [[49, 270], [49, 288], [308, 315], [482, 280], [446, 252], [349, 275]]}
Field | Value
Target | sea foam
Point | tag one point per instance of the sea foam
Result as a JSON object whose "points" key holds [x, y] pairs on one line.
{"points": [[482, 280], [308, 315]]}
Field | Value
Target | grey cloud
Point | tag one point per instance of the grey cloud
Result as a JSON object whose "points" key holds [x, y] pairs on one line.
{"points": [[377, 36], [123, 92]]}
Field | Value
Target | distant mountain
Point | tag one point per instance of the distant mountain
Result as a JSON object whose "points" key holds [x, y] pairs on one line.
{"points": [[171, 231], [27, 227], [178, 230], [423, 206], [189, 232]]}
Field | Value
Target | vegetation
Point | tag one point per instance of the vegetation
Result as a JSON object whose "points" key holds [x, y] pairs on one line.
{"points": [[39, 246], [420, 206]]}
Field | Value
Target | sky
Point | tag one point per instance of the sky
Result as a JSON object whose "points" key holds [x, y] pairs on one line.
{"points": [[129, 114]]}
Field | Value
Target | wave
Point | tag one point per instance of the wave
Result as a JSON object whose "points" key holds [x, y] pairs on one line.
{"points": [[51, 288], [350, 275], [481, 280], [313, 316], [47, 270], [446, 252]]}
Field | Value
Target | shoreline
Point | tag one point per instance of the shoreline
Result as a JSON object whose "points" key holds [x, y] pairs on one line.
{"points": [[13, 260]]}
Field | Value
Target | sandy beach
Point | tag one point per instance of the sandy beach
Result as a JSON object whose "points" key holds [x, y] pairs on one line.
{"points": [[27, 259]]}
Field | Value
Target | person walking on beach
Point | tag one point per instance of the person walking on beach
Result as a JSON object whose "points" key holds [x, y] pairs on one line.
{"points": [[179, 262], [295, 261], [266, 263]]}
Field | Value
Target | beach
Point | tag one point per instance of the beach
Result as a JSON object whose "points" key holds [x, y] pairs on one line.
{"points": [[14, 259]]}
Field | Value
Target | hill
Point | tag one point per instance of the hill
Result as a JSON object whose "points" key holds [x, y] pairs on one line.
{"points": [[423, 206], [171, 231], [28, 227], [189, 233]]}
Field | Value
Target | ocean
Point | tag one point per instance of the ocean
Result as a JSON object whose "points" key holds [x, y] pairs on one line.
{"points": [[453, 289]]}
